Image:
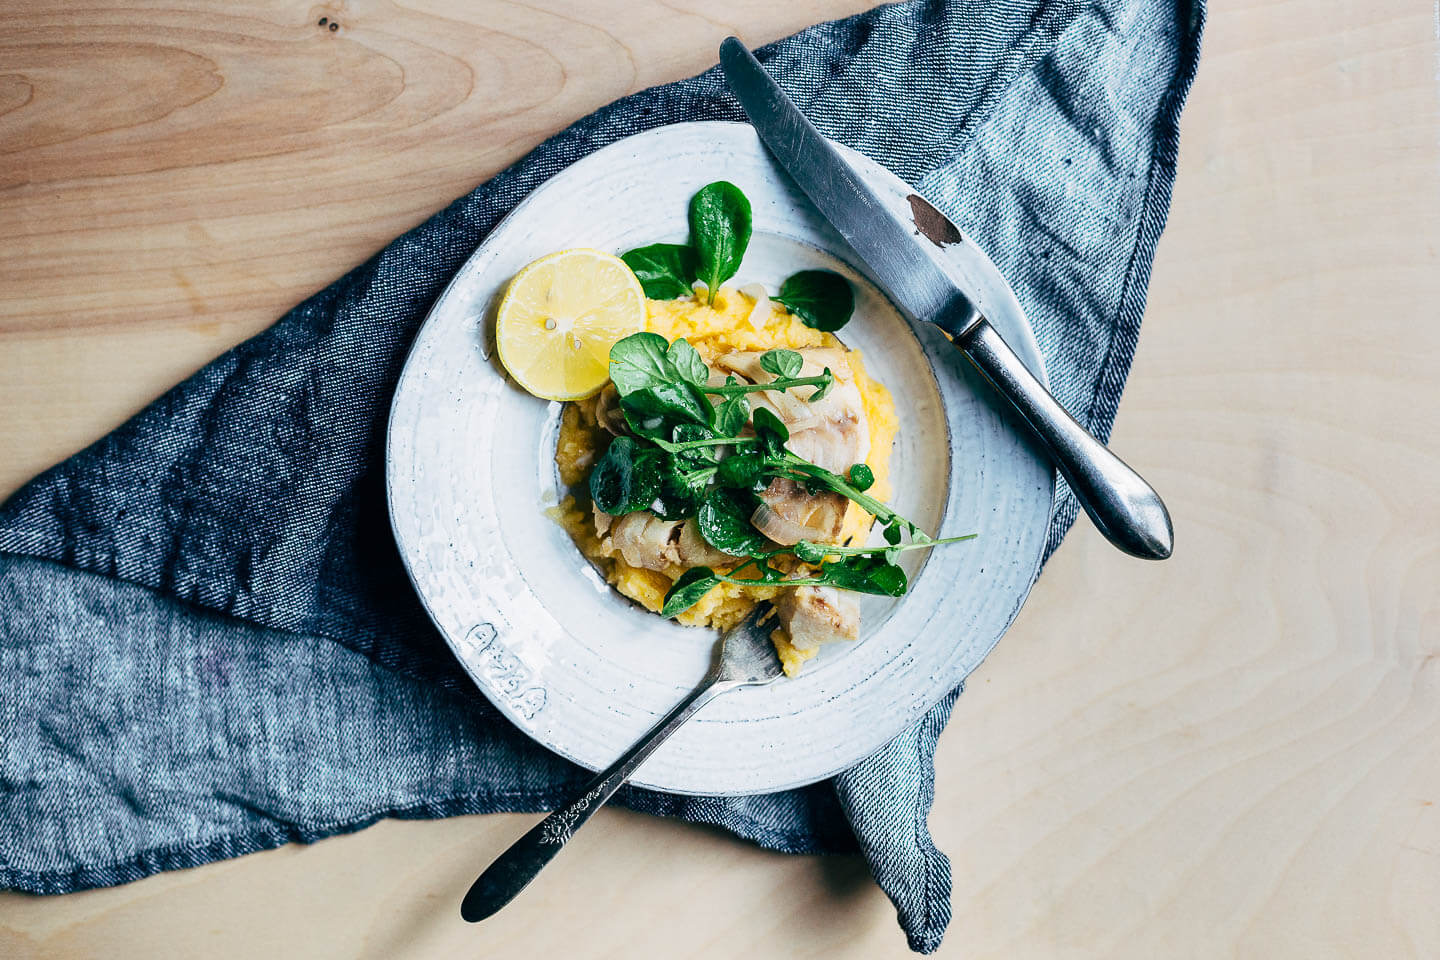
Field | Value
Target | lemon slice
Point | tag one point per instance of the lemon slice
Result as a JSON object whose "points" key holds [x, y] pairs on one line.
{"points": [[559, 318]]}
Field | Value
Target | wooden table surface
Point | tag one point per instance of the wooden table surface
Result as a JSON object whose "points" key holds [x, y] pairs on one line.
{"points": [[1234, 753]]}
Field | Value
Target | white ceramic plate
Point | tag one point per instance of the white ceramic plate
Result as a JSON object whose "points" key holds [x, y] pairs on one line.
{"points": [[584, 671]]}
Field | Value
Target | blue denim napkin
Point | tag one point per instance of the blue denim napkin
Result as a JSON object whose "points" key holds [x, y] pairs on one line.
{"points": [[207, 643]]}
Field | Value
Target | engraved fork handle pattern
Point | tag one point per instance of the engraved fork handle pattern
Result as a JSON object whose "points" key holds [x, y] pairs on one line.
{"points": [[517, 866]]}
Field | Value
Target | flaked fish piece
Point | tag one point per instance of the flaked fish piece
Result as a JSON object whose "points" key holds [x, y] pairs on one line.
{"points": [[647, 541], [833, 432], [816, 615], [643, 539]]}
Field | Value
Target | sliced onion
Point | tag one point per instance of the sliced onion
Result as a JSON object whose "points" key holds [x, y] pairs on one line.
{"points": [[782, 530], [608, 413], [761, 311]]}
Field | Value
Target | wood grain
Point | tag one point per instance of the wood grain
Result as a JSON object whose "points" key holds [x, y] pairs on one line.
{"points": [[175, 175], [1233, 753]]}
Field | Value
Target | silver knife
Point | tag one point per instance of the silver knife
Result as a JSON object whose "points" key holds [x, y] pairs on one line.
{"points": [[1125, 508]]}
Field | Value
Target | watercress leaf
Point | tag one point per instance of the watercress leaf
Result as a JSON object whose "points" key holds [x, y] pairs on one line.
{"points": [[809, 552], [782, 363], [823, 389], [686, 475], [665, 270], [732, 415], [655, 411], [641, 422], [675, 500], [862, 478], [892, 556], [696, 458], [639, 362], [725, 524], [690, 433], [770, 430], [646, 478], [687, 363], [687, 591], [686, 488], [742, 471], [704, 406], [612, 479], [719, 231], [673, 510], [866, 573], [892, 533], [820, 298]]}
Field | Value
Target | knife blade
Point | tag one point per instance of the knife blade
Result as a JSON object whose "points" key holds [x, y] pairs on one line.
{"points": [[903, 258]]}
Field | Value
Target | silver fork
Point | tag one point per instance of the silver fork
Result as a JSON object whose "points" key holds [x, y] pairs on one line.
{"points": [[745, 658]]}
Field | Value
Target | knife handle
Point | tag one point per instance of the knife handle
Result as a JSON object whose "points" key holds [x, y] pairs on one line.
{"points": [[1125, 508]]}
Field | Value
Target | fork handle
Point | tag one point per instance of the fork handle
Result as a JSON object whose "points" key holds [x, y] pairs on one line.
{"points": [[513, 870], [1125, 508]]}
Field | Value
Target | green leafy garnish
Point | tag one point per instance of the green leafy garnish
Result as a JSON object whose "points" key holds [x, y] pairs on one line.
{"points": [[743, 471], [694, 457], [732, 414], [820, 298], [679, 496], [732, 387], [782, 363], [654, 412], [627, 478], [687, 591], [863, 574], [866, 573], [687, 363], [770, 431], [720, 232], [660, 384], [812, 552], [612, 479], [640, 361], [694, 444], [665, 270], [724, 521]]}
